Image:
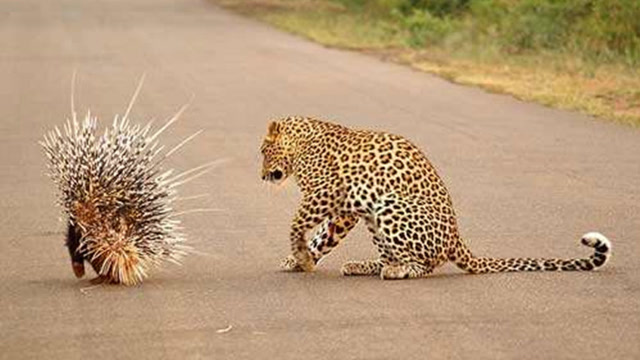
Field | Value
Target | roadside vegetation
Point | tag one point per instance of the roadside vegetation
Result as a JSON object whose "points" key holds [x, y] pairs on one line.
{"points": [[573, 54]]}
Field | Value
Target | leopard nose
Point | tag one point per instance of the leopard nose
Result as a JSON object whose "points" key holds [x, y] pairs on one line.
{"points": [[277, 174]]}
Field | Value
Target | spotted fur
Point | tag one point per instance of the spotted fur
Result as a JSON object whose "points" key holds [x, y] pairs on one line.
{"points": [[385, 181]]}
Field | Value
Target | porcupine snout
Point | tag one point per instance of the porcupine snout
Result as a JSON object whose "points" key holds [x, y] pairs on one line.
{"points": [[78, 269]]}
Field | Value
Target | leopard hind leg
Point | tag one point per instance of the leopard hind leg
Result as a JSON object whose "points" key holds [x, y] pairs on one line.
{"points": [[405, 271], [362, 268], [409, 235]]}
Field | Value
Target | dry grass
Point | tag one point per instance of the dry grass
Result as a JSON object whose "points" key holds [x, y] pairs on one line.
{"points": [[606, 91]]}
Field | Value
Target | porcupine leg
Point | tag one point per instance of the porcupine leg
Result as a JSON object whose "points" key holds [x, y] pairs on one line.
{"points": [[326, 237], [100, 279]]}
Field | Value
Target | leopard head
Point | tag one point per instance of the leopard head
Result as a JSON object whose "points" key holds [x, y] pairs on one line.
{"points": [[276, 164]]}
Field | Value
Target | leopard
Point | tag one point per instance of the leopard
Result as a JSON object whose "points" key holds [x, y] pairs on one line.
{"points": [[348, 176]]}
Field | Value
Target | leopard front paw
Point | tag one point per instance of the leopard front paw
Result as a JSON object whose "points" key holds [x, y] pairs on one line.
{"points": [[290, 264]]}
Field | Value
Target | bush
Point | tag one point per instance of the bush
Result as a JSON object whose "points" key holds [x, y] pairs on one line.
{"points": [[594, 28], [542, 24], [602, 30], [612, 29], [438, 8], [424, 28]]}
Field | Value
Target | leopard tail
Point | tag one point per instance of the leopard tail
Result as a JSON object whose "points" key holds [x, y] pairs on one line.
{"points": [[462, 257]]}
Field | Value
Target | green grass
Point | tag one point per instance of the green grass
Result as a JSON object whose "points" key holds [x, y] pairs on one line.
{"points": [[580, 55]]}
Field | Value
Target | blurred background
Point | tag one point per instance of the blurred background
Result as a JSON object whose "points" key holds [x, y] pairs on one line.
{"points": [[572, 54]]}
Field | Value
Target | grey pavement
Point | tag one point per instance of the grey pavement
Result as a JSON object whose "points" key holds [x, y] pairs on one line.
{"points": [[526, 181]]}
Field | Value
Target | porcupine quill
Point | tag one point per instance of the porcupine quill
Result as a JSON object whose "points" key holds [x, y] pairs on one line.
{"points": [[116, 195]]}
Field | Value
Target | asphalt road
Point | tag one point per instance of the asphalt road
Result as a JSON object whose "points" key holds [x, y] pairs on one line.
{"points": [[526, 181]]}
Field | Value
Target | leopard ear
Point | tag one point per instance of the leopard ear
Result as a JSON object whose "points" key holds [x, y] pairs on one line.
{"points": [[273, 130]]}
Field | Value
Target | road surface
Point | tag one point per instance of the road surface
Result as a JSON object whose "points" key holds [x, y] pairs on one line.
{"points": [[526, 181]]}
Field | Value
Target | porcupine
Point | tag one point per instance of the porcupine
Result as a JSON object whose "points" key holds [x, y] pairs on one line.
{"points": [[116, 196]]}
